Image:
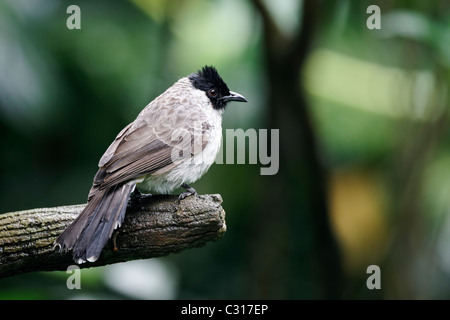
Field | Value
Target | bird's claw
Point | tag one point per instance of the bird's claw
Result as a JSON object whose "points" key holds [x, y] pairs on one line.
{"points": [[140, 197], [189, 192]]}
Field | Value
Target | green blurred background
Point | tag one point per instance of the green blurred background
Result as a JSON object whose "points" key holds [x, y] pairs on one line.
{"points": [[364, 173]]}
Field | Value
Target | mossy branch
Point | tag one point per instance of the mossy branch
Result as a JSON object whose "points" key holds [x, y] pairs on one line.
{"points": [[157, 227]]}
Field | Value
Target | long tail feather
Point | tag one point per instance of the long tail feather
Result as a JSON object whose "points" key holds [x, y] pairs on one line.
{"points": [[91, 230]]}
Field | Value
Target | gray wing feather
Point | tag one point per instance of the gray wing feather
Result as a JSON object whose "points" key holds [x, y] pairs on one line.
{"points": [[142, 150]]}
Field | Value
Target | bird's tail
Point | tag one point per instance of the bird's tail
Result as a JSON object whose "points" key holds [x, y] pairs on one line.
{"points": [[91, 230]]}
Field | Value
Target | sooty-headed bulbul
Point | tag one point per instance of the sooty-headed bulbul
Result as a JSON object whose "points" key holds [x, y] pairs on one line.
{"points": [[172, 143]]}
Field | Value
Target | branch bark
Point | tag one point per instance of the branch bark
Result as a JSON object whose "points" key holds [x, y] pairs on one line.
{"points": [[157, 227]]}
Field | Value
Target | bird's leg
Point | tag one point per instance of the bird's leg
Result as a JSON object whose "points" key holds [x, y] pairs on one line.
{"points": [[139, 196], [189, 192]]}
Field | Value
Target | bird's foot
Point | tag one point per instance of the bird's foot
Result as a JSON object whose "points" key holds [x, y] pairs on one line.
{"points": [[189, 192], [139, 196]]}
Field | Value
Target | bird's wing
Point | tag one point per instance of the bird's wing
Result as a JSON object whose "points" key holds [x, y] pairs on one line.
{"points": [[143, 148]]}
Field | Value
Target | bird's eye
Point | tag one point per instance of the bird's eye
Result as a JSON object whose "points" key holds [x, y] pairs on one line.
{"points": [[212, 92]]}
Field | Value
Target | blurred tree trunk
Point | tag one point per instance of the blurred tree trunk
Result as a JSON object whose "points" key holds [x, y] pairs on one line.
{"points": [[410, 253], [305, 259]]}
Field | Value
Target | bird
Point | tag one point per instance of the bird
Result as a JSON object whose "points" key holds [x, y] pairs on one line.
{"points": [[172, 142]]}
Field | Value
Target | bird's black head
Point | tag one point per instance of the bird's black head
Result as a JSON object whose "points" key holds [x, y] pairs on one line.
{"points": [[209, 80]]}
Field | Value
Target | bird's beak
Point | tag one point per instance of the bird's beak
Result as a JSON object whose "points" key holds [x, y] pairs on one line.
{"points": [[234, 96]]}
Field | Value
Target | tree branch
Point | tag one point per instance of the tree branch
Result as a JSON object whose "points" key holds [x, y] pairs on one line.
{"points": [[157, 227]]}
